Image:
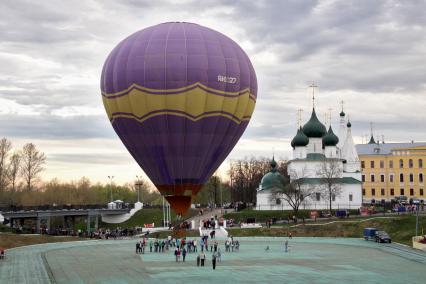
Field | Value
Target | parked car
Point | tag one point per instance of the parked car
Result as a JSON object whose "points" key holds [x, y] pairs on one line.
{"points": [[382, 237]]}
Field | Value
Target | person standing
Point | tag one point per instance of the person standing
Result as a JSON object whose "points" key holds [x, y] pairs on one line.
{"points": [[183, 254], [202, 258], [214, 260], [177, 254], [198, 260], [150, 245], [286, 246], [137, 247]]}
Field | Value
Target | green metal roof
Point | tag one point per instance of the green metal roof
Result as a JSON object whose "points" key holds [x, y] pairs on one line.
{"points": [[330, 139], [273, 179], [343, 180], [314, 128], [300, 139]]}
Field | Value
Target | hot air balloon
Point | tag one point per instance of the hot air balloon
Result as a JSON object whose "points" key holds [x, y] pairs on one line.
{"points": [[179, 96]]}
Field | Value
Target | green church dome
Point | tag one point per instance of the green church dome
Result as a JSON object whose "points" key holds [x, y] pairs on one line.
{"points": [[314, 128], [273, 179], [300, 139], [330, 139]]}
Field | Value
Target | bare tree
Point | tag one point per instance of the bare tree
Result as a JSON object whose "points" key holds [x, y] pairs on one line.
{"points": [[5, 147], [13, 172], [295, 192], [330, 173], [32, 164]]}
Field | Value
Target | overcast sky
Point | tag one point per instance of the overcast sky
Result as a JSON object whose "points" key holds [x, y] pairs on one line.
{"points": [[371, 54]]}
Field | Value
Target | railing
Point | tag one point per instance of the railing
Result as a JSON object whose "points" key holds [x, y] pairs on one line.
{"points": [[58, 207]]}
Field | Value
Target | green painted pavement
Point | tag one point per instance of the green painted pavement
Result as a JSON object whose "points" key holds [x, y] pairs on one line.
{"points": [[310, 260]]}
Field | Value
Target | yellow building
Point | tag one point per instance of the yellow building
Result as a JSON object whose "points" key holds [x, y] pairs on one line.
{"points": [[391, 170]]}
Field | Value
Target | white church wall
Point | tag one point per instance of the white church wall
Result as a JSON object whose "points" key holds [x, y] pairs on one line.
{"points": [[342, 201], [331, 152], [299, 153], [315, 145]]}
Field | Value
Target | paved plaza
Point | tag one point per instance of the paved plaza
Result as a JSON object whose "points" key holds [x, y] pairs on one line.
{"points": [[309, 260]]}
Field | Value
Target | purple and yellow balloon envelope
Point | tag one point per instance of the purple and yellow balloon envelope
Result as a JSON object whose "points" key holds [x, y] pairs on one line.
{"points": [[179, 96]]}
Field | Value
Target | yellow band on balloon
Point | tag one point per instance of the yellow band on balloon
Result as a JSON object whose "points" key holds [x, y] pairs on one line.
{"points": [[177, 90], [193, 104]]}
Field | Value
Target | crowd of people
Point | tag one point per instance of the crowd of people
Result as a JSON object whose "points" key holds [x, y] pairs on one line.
{"points": [[182, 247]]}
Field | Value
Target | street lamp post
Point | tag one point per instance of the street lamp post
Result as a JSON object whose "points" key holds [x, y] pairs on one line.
{"points": [[139, 184], [221, 200], [110, 185]]}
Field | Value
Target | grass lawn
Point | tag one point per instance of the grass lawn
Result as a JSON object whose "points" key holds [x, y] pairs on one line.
{"points": [[10, 240], [400, 228]]}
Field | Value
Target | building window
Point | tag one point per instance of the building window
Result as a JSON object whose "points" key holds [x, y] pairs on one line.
{"points": [[401, 177], [382, 178], [401, 163], [278, 201], [421, 191], [351, 197], [362, 164], [401, 191], [410, 163], [392, 192], [373, 191], [372, 164], [391, 178], [363, 191], [420, 163], [318, 196], [391, 164], [421, 178], [411, 191], [411, 178], [382, 164], [382, 191], [372, 178], [333, 197], [363, 178]]}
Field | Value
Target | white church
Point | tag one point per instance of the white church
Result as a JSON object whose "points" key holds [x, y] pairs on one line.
{"points": [[316, 153]]}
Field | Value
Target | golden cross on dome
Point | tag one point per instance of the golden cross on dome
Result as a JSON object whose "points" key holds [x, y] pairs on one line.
{"points": [[313, 86]]}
